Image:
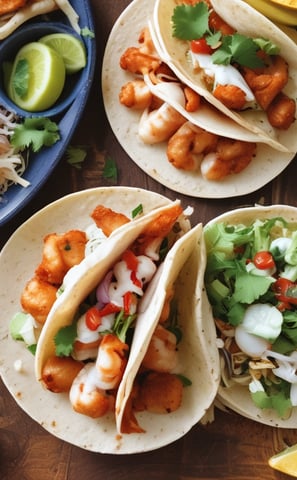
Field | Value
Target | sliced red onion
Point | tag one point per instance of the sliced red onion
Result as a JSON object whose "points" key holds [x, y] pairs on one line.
{"points": [[102, 294]]}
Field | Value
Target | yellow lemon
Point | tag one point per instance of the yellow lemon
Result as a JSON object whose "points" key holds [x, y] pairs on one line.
{"points": [[37, 77], [285, 461], [286, 3], [278, 13], [71, 49]]}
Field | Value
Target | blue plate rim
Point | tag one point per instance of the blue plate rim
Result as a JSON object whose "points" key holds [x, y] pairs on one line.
{"points": [[17, 197]]}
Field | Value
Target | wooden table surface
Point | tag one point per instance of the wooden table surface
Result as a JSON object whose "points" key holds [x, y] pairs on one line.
{"points": [[230, 448]]}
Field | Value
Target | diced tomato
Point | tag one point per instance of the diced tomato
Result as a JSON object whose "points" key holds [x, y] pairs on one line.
{"points": [[285, 291], [200, 46], [135, 280], [93, 318], [108, 309], [264, 260], [131, 260]]}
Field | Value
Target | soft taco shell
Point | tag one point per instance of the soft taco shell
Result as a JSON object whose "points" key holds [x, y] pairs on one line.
{"points": [[184, 266], [152, 159], [246, 21], [237, 397], [82, 279], [53, 411]]}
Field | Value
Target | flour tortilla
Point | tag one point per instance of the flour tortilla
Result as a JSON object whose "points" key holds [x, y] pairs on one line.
{"points": [[246, 21], [18, 261], [237, 397], [184, 266], [152, 159], [82, 279]]}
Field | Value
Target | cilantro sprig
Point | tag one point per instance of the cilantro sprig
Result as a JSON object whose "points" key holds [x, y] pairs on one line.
{"points": [[191, 22], [34, 133]]}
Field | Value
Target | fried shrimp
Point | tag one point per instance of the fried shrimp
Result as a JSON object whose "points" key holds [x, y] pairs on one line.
{"points": [[86, 397], [158, 125], [59, 372], [186, 147], [108, 220], [135, 61], [60, 253], [38, 298], [231, 156], [231, 96], [135, 94], [9, 6], [111, 361], [281, 112], [159, 393], [267, 82], [161, 355]]}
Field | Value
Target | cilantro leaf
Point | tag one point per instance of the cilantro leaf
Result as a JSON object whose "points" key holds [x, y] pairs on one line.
{"points": [[110, 169], [76, 156], [190, 21], [35, 133], [137, 210], [64, 340], [249, 288], [239, 49]]}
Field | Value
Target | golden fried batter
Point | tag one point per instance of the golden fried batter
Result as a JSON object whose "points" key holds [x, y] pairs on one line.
{"points": [[9, 6], [107, 219]]}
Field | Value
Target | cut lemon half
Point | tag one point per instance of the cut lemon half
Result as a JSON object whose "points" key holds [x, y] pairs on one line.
{"points": [[71, 49], [286, 3], [275, 12], [285, 461], [37, 77]]}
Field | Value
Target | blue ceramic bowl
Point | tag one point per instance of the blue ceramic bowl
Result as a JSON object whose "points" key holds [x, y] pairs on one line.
{"points": [[32, 33], [67, 111]]}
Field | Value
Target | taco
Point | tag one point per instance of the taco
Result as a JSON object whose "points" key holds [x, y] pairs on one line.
{"points": [[215, 48], [167, 91], [53, 410], [250, 279]]}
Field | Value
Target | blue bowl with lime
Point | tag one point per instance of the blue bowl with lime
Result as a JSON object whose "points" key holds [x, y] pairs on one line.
{"points": [[42, 69]]}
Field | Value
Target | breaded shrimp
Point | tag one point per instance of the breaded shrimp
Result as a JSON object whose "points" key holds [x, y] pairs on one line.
{"points": [[159, 393], [135, 94], [192, 98], [231, 156], [111, 361], [38, 298], [281, 112], [161, 355], [186, 146], [218, 24], [9, 6], [59, 372], [267, 82], [138, 62], [86, 397], [60, 253], [158, 125], [107, 219], [231, 96]]}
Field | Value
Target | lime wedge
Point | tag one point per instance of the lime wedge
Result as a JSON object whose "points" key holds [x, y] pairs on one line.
{"points": [[71, 49], [37, 77], [285, 461]]}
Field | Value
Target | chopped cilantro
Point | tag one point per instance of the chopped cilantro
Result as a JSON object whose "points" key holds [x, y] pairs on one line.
{"points": [[137, 210], [76, 156], [35, 133], [110, 169], [190, 22], [86, 32], [64, 340]]}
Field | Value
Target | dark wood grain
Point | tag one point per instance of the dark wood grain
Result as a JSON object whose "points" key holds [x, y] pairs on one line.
{"points": [[230, 448]]}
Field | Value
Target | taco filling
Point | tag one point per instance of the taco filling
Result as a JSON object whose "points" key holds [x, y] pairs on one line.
{"points": [[241, 72], [93, 341], [251, 282]]}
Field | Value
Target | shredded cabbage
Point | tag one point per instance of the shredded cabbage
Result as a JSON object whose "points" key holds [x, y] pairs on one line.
{"points": [[12, 162]]}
